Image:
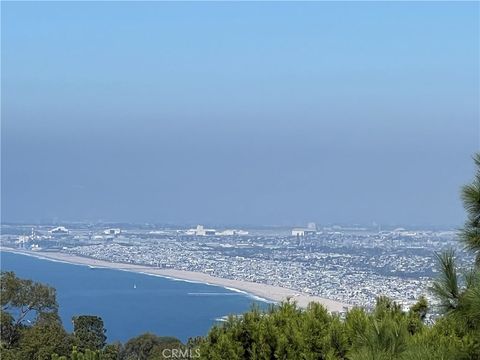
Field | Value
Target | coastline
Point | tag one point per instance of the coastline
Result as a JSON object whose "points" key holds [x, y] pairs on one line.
{"points": [[261, 292]]}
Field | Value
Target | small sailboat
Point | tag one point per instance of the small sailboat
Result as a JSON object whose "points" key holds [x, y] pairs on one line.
{"points": [[134, 286]]}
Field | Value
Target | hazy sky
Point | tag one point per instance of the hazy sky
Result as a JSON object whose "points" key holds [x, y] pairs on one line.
{"points": [[239, 113]]}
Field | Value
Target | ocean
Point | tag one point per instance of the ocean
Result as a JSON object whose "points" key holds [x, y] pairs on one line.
{"points": [[130, 303]]}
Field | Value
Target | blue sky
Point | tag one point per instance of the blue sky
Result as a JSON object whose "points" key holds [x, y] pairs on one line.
{"points": [[239, 113]]}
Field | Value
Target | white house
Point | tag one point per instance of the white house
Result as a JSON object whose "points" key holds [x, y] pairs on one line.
{"points": [[60, 230], [311, 229]]}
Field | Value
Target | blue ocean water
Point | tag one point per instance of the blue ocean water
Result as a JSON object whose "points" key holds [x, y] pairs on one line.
{"points": [[130, 303]]}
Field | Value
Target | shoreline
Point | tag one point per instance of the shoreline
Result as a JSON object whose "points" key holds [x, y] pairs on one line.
{"points": [[257, 291]]}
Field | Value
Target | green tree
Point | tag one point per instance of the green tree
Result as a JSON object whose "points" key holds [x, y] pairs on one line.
{"points": [[44, 338], [149, 346], [9, 332], [89, 332], [446, 286], [463, 301], [112, 351], [316, 328], [420, 308], [86, 355], [460, 297], [78, 355], [417, 315], [21, 299], [470, 234], [383, 334], [8, 354], [25, 297]]}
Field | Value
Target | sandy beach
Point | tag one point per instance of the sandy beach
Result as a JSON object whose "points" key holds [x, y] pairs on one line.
{"points": [[268, 292]]}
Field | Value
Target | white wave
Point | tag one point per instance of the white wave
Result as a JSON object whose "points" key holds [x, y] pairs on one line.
{"points": [[211, 294]]}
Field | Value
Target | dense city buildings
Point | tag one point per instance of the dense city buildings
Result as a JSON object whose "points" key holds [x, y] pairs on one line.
{"points": [[351, 265]]}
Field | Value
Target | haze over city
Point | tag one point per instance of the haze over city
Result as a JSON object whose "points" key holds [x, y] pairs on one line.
{"points": [[238, 113], [240, 180]]}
